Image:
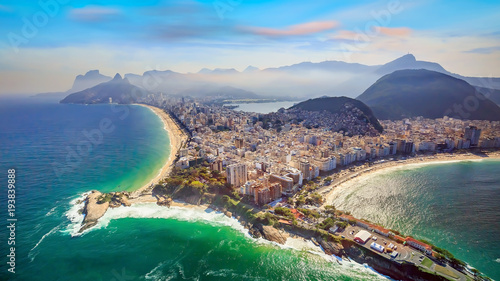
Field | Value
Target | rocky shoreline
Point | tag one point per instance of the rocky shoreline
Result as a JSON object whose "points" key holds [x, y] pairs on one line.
{"points": [[97, 203]]}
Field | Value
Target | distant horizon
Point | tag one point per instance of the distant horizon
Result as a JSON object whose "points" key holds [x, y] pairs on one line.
{"points": [[122, 74], [45, 44]]}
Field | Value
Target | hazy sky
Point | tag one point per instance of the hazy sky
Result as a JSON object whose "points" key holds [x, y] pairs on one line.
{"points": [[45, 44]]}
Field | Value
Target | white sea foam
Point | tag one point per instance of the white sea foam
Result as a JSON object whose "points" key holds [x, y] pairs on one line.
{"points": [[51, 211], [32, 253], [151, 210], [301, 244], [75, 215], [155, 273], [497, 260]]}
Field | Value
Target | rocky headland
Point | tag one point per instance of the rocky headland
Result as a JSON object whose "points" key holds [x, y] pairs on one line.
{"points": [[97, 203]]}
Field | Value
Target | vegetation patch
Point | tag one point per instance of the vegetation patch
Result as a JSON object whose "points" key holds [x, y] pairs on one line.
{"points": [[445, 271], [427, 262]]}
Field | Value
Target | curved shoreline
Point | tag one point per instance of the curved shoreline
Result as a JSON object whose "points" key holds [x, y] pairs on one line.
{"points": [[389, 166], [177, 138], [95, 211]]}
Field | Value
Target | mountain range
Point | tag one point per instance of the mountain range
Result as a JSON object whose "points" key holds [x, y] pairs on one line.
{"points": [[118, 90], [303, 80], [298, 81]]}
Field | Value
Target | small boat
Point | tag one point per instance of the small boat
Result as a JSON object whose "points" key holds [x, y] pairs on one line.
{"points": [[314, 241]]}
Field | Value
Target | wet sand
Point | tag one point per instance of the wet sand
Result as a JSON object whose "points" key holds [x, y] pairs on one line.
{"points": [[177, 139]]}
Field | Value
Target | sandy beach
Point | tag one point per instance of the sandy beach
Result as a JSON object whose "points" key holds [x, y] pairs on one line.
{"points": [[177, 139], [359, 172]]}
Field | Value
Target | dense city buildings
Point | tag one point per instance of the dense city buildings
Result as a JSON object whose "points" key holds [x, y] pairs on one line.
{"points": [[237, 174], [265, 156]]}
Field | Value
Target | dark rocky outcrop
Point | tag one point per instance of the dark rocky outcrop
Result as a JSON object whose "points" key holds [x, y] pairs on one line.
{"points": [[118, 199], [254, 231], [331, 248], [270, 233], [163, 200]]}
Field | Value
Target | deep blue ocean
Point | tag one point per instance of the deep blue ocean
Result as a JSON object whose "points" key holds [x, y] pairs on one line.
{"points": [[61, 151]]}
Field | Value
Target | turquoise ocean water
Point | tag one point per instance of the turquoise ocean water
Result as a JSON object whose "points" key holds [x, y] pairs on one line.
{"points": [[58, 156], [453, 205]]}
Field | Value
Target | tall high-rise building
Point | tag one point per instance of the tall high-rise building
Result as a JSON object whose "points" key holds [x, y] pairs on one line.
{"points": [[472, 133], [237, 174], [238, 142], [305, 168]]}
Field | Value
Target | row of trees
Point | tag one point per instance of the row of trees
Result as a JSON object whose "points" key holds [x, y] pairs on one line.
{"points": [[312, 199], [194, 180]]}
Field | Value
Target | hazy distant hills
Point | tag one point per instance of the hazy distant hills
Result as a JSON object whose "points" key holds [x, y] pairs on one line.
{"points": [[409, 62], [299, 81], [218, 71], [119, 90], [328, 66], [337, 105], [302, 80], [82, 82], [90, 79], [411, 93]]}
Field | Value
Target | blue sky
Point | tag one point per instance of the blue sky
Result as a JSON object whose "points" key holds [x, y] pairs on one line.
{"points": [[48, 42]]}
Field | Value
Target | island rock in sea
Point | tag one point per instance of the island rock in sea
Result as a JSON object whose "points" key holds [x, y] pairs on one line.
{"points": [[93, 210], [97, 203]]}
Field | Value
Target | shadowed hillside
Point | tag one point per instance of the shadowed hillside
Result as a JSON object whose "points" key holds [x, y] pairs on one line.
{"points": [[410, 93]]}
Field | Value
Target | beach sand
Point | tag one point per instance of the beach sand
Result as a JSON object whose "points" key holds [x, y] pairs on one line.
{"points": [[361, 172], [177, 139]]}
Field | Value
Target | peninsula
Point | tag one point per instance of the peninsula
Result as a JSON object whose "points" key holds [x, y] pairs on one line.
{"points": [[275, 172]]}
